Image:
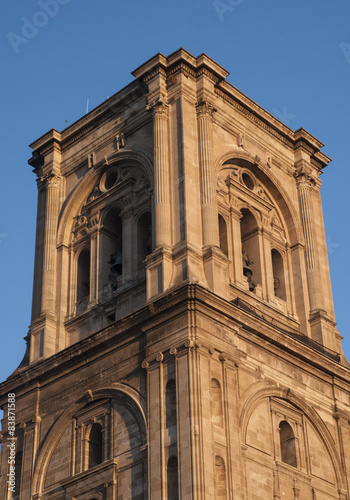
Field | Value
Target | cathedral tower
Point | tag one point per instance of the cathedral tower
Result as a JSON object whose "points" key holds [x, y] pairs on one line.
{"points": [[183, 341]]}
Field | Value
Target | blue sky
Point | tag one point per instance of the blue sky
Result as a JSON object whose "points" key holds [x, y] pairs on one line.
{"points": [[293, 58]]}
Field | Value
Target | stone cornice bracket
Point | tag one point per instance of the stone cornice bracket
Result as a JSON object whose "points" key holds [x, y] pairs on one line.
{"points": [[119, 141], [104, 162], [159, 107], [226, 358], [342, 415], [205, 108], [257, 160], [89, 396], [146, 363], [240, 140]]}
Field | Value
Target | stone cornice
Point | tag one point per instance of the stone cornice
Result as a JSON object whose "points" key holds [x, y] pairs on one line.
{"points": [[105, 111], [301, 138], [185, 297], [180, 60]]}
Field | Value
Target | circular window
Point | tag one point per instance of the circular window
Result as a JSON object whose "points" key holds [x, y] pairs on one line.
{"points": [[248, 181], [109, 179]]}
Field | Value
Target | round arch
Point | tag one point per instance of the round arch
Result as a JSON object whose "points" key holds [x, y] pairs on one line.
{"points": [[78, 197], [259, 391], [128, 396], [247, 160]]}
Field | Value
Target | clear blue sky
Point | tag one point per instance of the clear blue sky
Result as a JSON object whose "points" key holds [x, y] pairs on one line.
{"points": [[293, 58]]}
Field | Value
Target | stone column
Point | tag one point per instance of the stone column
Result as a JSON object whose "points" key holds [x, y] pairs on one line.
{"points": [[155, 396], [129, 245], [52, 185], [322, 326], [205, 112], [94, 259], [31, 438], [304, 183], [44, 327], [343, 426], [161, 173]]}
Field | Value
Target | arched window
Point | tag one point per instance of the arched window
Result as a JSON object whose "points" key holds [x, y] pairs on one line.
{"points": [[220, 479], [250, 249], [111, 248], [170, 403], [223, 235], [172, 479], [287, 441], [95, 445], [83, 275], [278, 274], [216, 403], [144, 237]]}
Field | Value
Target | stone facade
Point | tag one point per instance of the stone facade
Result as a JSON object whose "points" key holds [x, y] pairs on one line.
{"points": [[183, 341]]}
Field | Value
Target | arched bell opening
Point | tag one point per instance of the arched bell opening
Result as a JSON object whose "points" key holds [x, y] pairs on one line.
{"points": [[279, 285], [223, 235], [251, 265], [287, 443], [144, 237], [111, 249], [95, 445], [83, 276]]}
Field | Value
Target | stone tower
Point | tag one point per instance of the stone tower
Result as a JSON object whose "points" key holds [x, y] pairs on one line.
{"points": [[183, 341]]}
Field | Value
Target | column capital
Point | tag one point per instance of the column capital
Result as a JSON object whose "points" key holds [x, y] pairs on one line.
{"points": [[305, 177], [205, 108], [158, 108], [49, 180]]}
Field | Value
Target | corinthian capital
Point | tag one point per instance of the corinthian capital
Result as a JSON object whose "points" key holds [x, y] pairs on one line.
{"points": [[51, 180], [305, 175], [205, 108], [159, 107]]}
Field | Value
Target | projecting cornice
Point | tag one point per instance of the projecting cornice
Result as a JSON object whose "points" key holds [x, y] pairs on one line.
{"points": [[295, 140], [181, 59]]}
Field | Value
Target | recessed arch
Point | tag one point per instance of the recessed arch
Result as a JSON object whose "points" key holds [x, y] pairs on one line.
{"points": [[128, 396], [246, 160], [259, 391], [141, 159]]}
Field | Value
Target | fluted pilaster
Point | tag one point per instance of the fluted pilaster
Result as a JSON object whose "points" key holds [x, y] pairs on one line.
{"points": [[159, 110], [305, 181], [205, 112], [51, 184]]}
